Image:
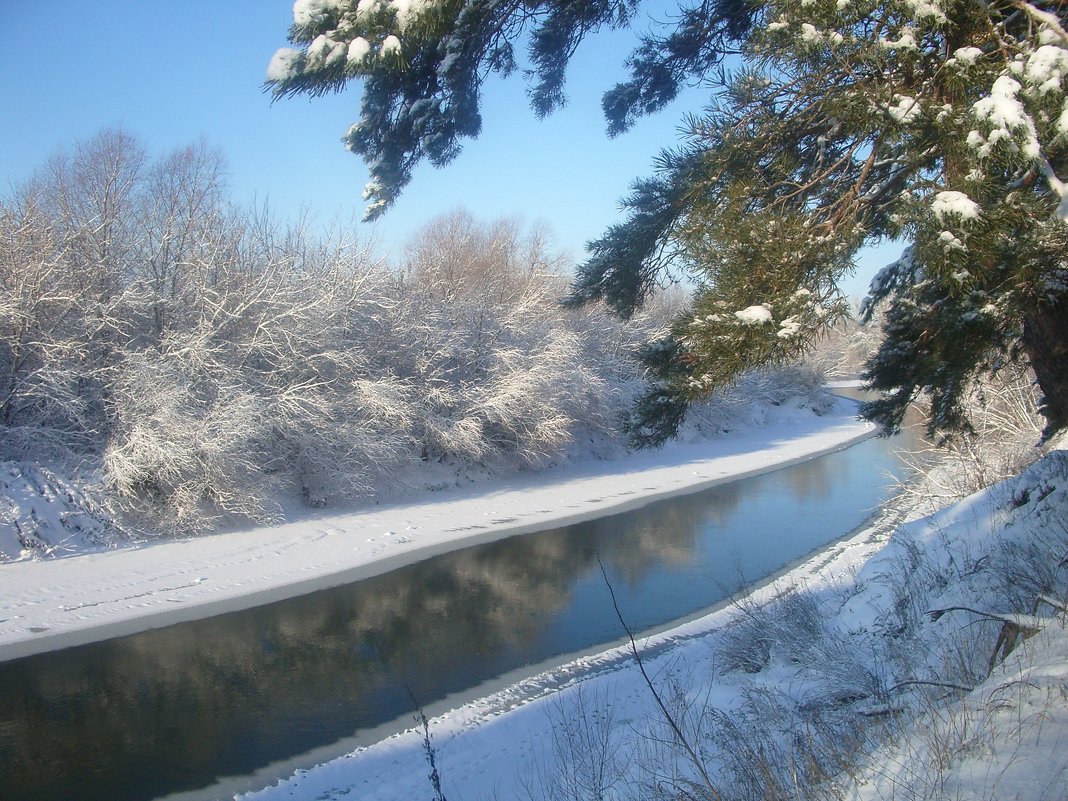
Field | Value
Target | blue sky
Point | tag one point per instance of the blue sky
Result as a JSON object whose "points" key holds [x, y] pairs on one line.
{"points": [[172, 73]]}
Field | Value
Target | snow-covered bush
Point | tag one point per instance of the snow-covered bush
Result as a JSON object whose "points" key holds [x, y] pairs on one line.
{"points": [[216, 362], [1005, 428], [262, 387], [790, 626], [492, 366], [211, 357], [745, 402], [43, 337]]}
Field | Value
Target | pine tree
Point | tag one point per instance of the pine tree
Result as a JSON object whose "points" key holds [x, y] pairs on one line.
{"points": [[939, 123]]}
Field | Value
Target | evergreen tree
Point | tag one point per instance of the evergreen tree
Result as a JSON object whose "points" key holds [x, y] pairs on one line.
{"points": [[939, 123]]}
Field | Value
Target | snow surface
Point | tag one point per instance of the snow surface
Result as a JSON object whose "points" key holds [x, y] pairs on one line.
{"points": [[43, 514], [52, 604]]}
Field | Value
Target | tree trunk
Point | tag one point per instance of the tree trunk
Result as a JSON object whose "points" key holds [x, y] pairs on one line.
{"points": [[1045, 340]]}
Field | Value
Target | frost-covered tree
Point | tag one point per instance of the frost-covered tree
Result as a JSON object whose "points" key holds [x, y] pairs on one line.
{"points": [[939, 123], [207, 361], [494, 367]]}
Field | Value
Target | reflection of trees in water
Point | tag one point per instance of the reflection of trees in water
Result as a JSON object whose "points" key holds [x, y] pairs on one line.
{"points": [[810, 480], [666, 532], [230, 693]]}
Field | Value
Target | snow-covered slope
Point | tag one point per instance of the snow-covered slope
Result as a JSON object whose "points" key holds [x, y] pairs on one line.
{"points": [[43, 514]]}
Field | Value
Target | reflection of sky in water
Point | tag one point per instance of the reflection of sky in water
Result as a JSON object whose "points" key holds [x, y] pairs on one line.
{"points": [[176, 708]]}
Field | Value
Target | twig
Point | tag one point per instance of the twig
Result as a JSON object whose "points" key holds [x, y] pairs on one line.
{"points": [[428, 748], [944, 684], [1053, 602], [679, 736]]}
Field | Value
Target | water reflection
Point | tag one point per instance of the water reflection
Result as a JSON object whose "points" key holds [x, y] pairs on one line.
{"points": [[174, 709]]}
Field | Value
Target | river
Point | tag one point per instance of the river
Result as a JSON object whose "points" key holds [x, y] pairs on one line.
{"points": [[255, 694]]}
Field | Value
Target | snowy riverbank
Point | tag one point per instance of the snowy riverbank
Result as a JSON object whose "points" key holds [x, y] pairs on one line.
{"points": [[52, 604]]}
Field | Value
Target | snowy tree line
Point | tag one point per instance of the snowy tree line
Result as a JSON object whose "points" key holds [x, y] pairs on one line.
{"points": [[210, 360]]}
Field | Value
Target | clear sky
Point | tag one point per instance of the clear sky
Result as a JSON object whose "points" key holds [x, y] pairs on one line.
{"points": [[170, 73]]}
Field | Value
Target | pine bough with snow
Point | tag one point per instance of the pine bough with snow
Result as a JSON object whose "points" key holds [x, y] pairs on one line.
{"points": [[938, 123]]}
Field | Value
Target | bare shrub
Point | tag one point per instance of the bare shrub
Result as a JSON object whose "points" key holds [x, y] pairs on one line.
{"points": [[588, 756], [1006, 428], [791, 626], [773, 747], [1006, 432]]}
